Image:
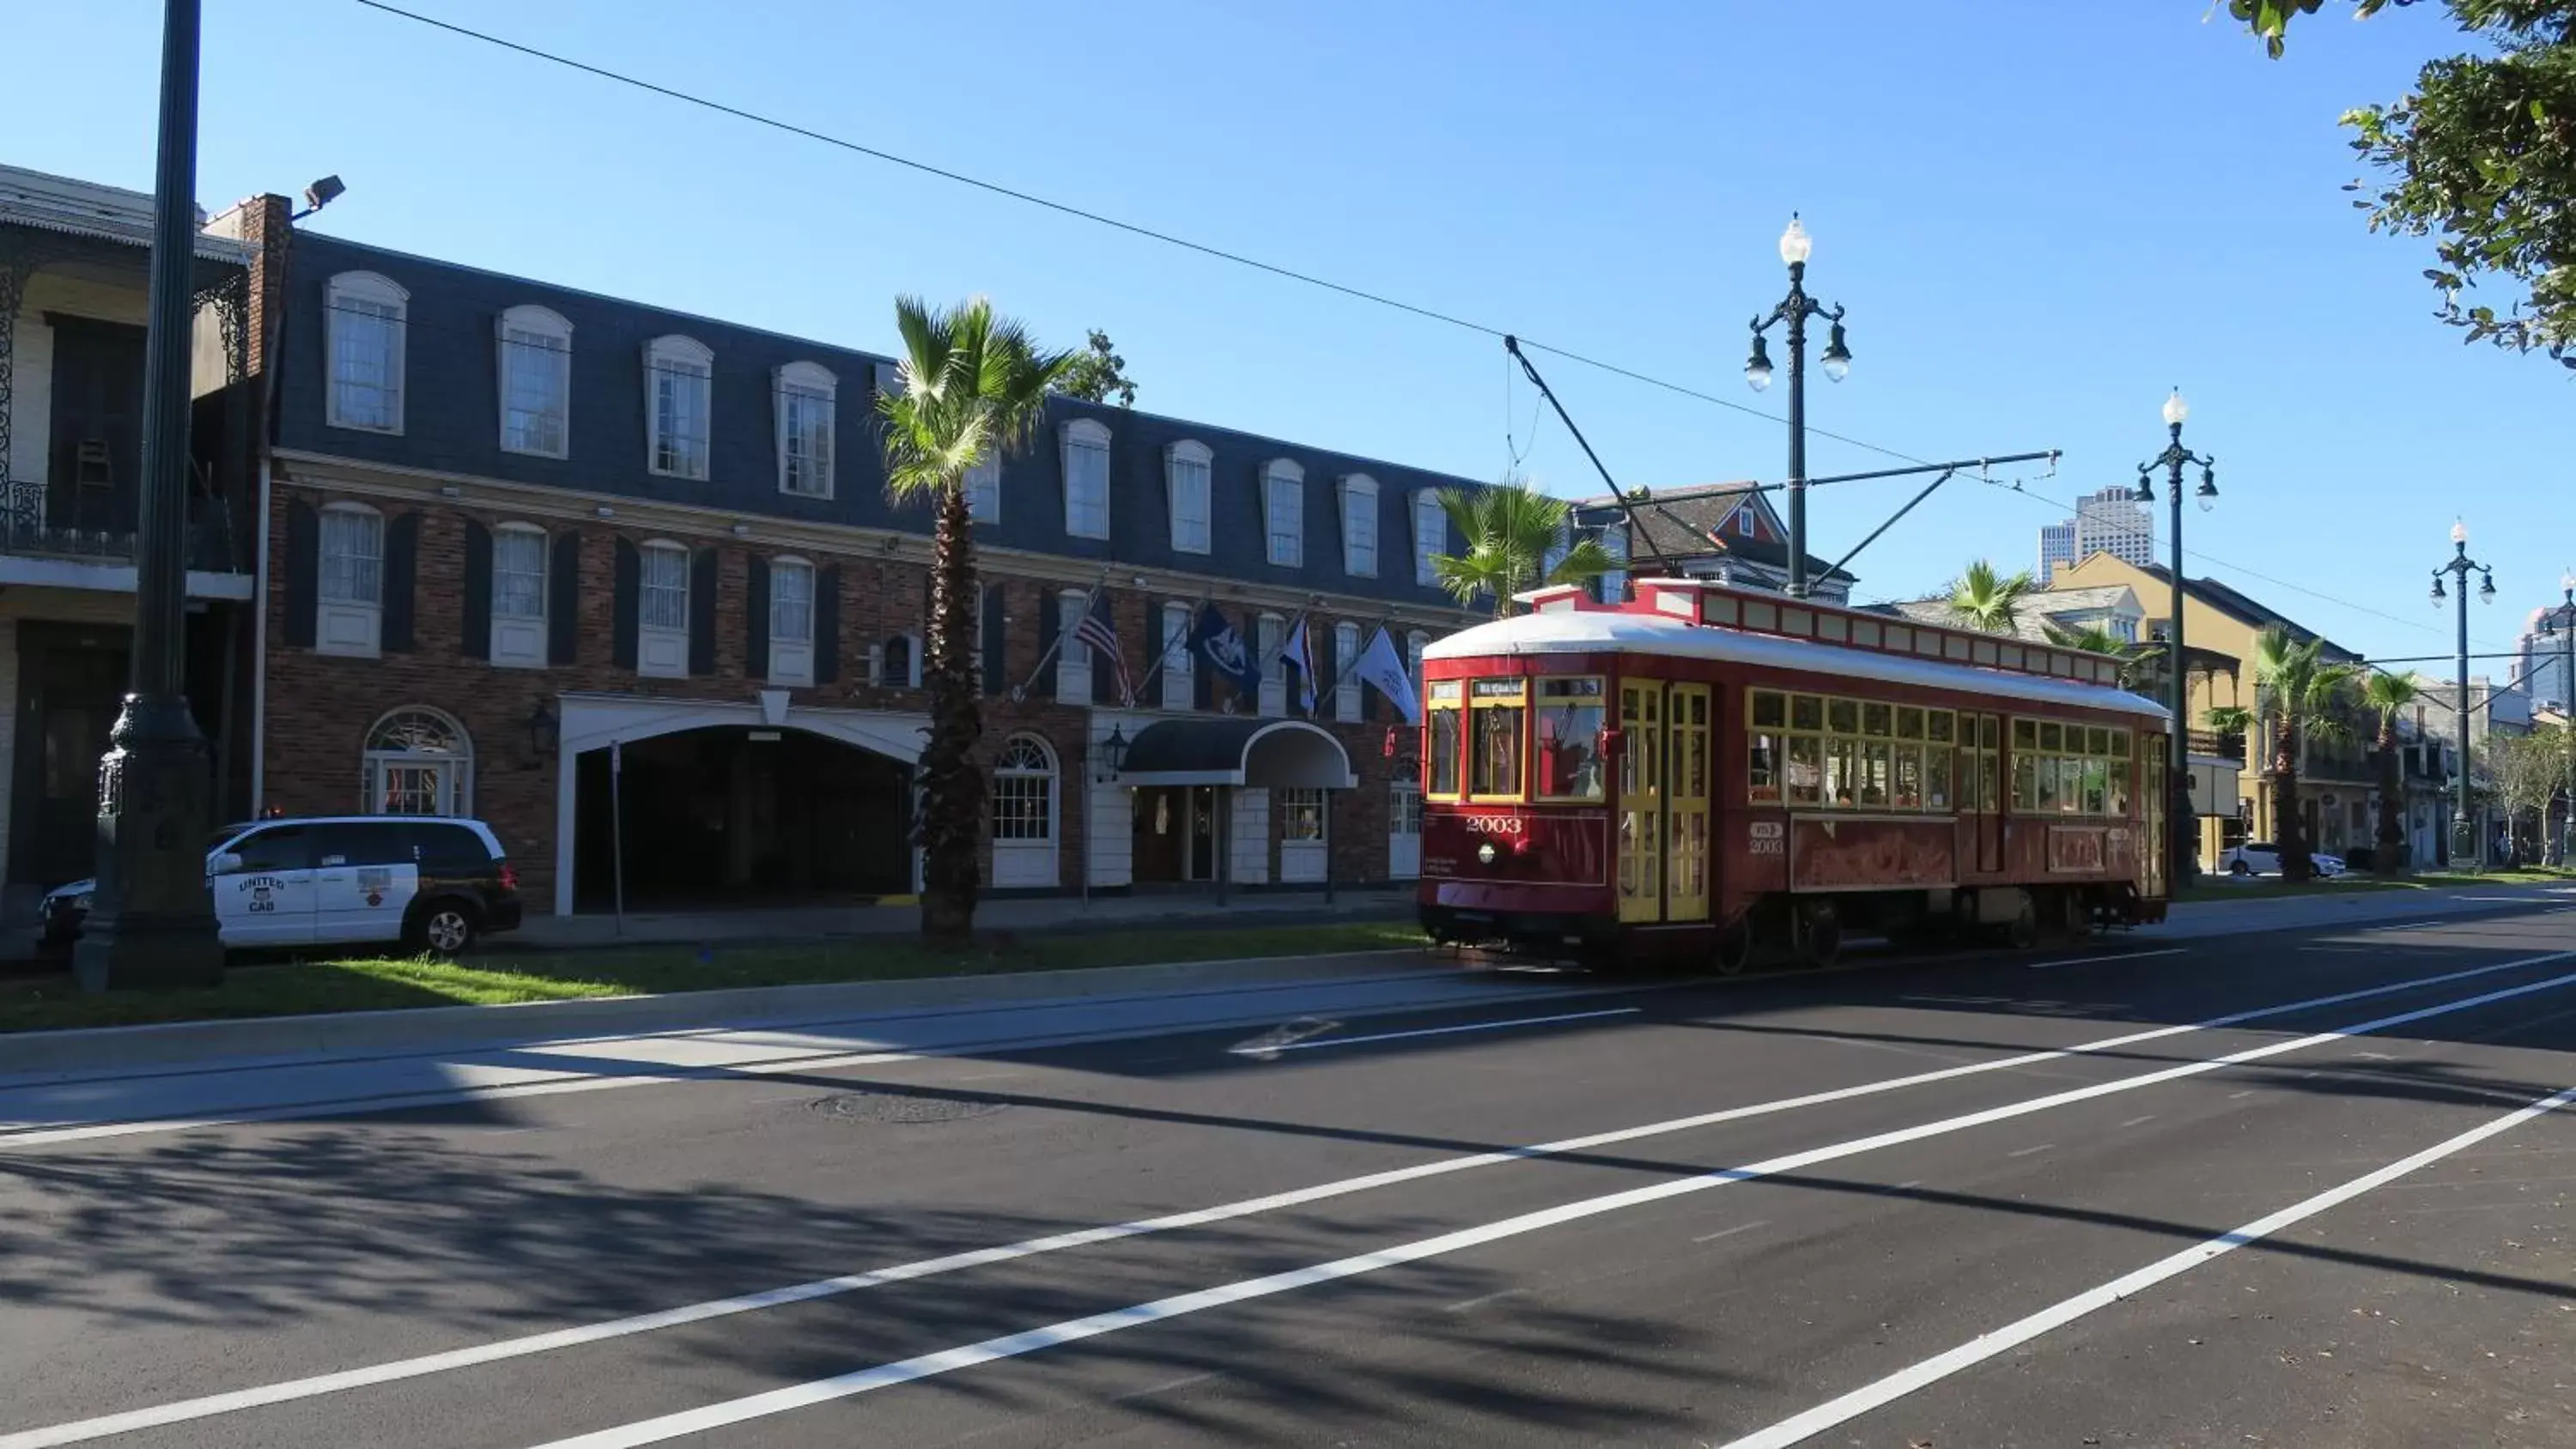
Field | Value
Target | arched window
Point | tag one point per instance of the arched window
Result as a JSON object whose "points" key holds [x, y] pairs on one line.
{"points": [[678, 375], [1359, 526], [350, 595], [807, 394], [1430, 535], [418, 762], [536, 382], [1086, 478], [1186, 467], [363, 351], [1023, 794], [1346, 679], [1283, 508]]}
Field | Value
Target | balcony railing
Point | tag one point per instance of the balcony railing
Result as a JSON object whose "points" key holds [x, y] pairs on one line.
{"points": [[2216, 744], [42, 522]]}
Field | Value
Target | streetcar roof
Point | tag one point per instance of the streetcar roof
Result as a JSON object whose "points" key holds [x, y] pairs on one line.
{"points": [[1606, 631]]}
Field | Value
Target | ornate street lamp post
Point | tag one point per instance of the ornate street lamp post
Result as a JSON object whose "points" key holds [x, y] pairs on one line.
{"points": [[1795, 309], [154, 924], [2464, 832], [2182, 831]]}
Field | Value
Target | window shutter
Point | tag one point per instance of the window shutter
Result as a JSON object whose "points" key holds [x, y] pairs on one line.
{"points": [[1328, 670], [994, 683], [563, 601], [1104, 674], [702, 611], [402, 553], [755, 619], [477, 631], [827, 624], [1051, 632], [303, 572], [1202, 673], [628, 603]]}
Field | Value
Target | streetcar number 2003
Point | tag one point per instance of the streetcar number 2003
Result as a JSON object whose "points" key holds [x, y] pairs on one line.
{"points": [[1493, 825], [1766, 837]]}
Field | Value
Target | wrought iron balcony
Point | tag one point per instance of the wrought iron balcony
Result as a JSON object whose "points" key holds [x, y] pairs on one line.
{"points": [[96, 526], [2216, 744]]}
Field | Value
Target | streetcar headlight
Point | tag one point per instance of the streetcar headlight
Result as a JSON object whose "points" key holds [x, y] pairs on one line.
{"points": [[1485, 853]]}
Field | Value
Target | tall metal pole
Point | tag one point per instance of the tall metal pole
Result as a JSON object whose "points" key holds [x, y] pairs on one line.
{"points": [[2185, 825], [2567, 708], [153, 924], [1797, 308], [2465, 844]]}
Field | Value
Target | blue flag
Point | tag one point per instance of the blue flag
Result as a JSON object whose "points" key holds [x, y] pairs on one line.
{"points": [[1221, 645]]}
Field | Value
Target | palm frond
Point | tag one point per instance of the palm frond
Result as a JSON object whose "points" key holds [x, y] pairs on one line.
{"points": [[1983, 599]]}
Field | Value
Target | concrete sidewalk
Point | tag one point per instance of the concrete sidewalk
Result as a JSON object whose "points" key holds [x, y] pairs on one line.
{"points": [[1050, 914]]}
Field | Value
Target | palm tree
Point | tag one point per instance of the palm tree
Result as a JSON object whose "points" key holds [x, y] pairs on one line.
{"points": [[1986, 600], [2296, 692], [1510, 529], [2386, 695], [972, 386]]}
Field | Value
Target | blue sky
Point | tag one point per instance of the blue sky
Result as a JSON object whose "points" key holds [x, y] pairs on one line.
{"points": [[2040, 215]]}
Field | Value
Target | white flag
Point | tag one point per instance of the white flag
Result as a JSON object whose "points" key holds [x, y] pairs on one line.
{"points": [[1381, 665]]}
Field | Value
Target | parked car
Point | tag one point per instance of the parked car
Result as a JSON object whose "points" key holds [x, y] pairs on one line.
{"points": [[429, 884], [2262, 857]]}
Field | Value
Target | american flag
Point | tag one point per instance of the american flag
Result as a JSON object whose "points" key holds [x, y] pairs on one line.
{"points": [[1103, 639]]}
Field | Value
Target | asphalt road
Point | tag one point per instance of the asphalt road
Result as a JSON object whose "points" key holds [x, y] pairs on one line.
{"points": [[2283, 1189]]}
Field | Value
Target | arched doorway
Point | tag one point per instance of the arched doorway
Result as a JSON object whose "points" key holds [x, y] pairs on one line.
{"points": [[1025, 818], [738, 815]]}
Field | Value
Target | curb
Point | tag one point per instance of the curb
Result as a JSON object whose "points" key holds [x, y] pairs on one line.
{"points": [[64, 1056]]}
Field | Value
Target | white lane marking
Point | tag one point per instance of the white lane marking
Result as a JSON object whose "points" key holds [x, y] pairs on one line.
{"points": [[2409, 926], [1462, 1307], [2139, 1121], [711, 1417], [184, 1410], [1731, 1232], [1266, 1048], [2114, 956], [2013, 1335], [2028, 1151], [1286, 1034]]}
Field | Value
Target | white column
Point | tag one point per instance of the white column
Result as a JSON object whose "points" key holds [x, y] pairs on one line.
{"points": [[1251, 836], [565, 801]]}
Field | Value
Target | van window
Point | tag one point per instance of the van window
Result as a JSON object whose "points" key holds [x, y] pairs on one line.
{"points": [[362, 843], [280, 847], [449, 850]]}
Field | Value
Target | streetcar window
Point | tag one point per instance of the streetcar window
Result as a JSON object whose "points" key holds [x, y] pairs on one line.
{"points": [[2045, 768], [1842, 770], [1570, 717], [1992, 737], [1874, 770], [1806, 712], [1842, 716], [1909, 724], [2097, 785], [1444, 750], [1806, 769], [1936, 726], [2119, 744], [1447, 691], [1936, 777], [2120, 788], [2025, 734], [1762, 768], [1877, 720], [1770, 709], [2052, 736], [1761, 616], [1909, 778], [2097, 742], [1494, 739], [2025, 782]]}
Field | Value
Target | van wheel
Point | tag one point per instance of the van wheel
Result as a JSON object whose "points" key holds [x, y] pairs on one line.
{"points": [[442, 928], [2239, 868]]}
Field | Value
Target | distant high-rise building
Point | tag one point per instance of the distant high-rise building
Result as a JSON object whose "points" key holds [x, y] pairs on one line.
{"points": [[2111, 521], [2543, 669]]}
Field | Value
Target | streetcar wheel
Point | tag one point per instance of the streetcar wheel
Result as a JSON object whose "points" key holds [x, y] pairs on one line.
{"points": [[2079, 916], [2023, 932], [1819, 937], [1734, 948]]}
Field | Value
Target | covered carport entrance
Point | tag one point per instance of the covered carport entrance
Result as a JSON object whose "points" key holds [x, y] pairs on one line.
{"points": [[1203, 793], [712, 804]]}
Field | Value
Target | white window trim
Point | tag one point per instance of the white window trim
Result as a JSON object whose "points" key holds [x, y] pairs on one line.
{"points": [[459, 781], [1086, 432], [1283, 474], [983, 484], [519, 640], [1347, 644], [1415, 641], [671, 348], [1027, 861], [1200, 455], [1072, 656], [361, 622], [1359, 499], [1180, 672], [815, 380], [646, 635], [1430, 535], [791, 661], [544, 322], [384, 291]]}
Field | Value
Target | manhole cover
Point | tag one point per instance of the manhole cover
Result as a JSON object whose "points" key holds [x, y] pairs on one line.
{"points": [[902, 1110]]}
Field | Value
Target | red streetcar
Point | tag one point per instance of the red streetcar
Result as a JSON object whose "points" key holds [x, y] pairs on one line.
{"points": [[1707, 771]]}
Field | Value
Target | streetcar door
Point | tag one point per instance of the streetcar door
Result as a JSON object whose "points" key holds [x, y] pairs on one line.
{"points": [[1688, 713], [1986, 760], [1641, 800]]}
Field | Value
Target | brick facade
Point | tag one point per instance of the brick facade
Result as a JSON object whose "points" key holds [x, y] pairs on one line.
{"points": [[321, 707]]}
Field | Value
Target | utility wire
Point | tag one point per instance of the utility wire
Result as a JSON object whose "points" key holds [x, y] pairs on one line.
{"points": [[1239, 259]]}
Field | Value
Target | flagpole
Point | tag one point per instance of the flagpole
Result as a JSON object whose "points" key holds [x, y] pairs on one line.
{"points": [[1165, 652], [1020, 690]]}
